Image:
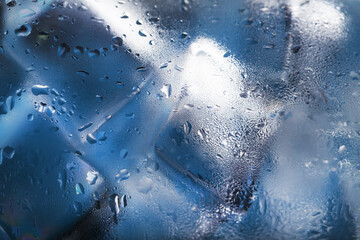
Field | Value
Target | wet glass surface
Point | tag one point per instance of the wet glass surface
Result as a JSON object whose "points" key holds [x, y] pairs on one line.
{"points": [[179, 119]]}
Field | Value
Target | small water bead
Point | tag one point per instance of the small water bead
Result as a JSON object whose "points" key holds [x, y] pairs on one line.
{"points": [[91, 139], [94, 53], [10, 3], [117, 41], [30, 117], [101, 136], [79, 188], [63, 49], [342, 149], [78, 50], [122, 175], [143, 33], [8, 152], [87, 125], [123, 153], [91, 177], [166, 90], [23, 30], [40, 90]]}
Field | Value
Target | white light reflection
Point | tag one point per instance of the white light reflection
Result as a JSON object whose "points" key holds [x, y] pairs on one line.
{"points": [[320, 19], [128, 27]]}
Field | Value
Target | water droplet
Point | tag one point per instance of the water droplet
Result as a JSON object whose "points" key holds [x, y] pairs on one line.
{"points": [[183, 35], [342, 149], [43, 35], [10, 3], [99, 98], [202, 134], [122, 175], [79, 188], [123, 153], [30, 117], [78, 208], [82, 7], [143, 33], [188, 106], [268, 46], [50, 110], [96, 197], [23, 30], [262, 206], [30, 69], [178, 68], [123, 201], [10, 102], [97, 19], [164, 65], [141, 69], [40, 90], [124, 16], [120, 84], [145, 184], [187, 127], [62, 179], [154, 20], [354, 75], [54, 92], [63, 17], [78, 50], [227, 54], [63, 48], [82, 73], [82, 128], [101, 136], [1, 156], [139, 22], [8, 152], [243, 95], [72, 166], [61, 101], [166, 90], [295, 49], [91, 139], [91, 177], [114, 204], [117, 41], [94, 53], [130, 115]]}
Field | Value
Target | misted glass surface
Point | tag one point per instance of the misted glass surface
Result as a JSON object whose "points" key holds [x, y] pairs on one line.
{"points": [[179, 119]]}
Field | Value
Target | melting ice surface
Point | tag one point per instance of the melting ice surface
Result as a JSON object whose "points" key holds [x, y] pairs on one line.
{"points": [[179, 119]]}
